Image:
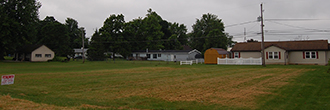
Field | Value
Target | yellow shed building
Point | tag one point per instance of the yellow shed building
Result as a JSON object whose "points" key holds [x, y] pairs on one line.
{"points": [[211, 55]]}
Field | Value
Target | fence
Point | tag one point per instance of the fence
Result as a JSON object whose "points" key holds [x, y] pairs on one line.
{"points": [[240, 61], [190, 62], [186, 62]]}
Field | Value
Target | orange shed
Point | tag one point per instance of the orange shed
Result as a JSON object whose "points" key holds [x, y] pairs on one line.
{"points": [[211, 55]]}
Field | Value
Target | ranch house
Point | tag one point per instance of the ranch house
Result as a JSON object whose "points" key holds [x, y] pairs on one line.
{"points": [[166, 55], [34, 53], [313, 52]]}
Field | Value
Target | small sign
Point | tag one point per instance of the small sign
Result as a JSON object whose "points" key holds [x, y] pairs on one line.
{"points": [[7, 79]]}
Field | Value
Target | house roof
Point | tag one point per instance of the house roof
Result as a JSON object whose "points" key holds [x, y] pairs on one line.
{"points": [[221, 51], [28, 48], [286, 45], [195, 50]]}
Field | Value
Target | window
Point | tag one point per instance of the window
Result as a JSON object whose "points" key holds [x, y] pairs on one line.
{"points": [[273, 55], [154, 56], [270, 55], [159, 55], [310, 55], [38, 55], [148, 55], [236, 54], [48, 55]]}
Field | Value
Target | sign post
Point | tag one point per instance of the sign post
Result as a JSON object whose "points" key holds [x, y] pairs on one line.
{"points": [[7, 79]]}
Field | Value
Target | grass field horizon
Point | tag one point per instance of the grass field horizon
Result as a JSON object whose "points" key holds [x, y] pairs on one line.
{"points": [[163, 85]]}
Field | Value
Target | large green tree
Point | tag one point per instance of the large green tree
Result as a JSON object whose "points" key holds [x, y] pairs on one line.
{"points": [[54, 35], [18, 19], [153, 34], [178, 37], [75, 33], [174, 34], [97, 49], [112, 32], [208, 32]]}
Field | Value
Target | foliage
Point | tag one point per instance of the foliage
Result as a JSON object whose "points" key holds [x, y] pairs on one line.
{"points": [[75, 33], [151, 32], [112, 33], [97, 49], [252, 40], [208, 32], [134, 32], [18, 19], [55, 36]]}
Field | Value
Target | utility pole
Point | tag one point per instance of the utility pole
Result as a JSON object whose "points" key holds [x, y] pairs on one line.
{"points": [[245, 35], [83, 45], [262, 37]]}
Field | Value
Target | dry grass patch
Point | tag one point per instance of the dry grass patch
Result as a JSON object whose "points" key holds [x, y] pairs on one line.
{"points": [[226, 90], [9, 103]]}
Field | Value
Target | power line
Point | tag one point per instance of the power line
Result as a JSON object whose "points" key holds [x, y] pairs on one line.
{"points": [[320, 30], [287, 19], [248, 22]]}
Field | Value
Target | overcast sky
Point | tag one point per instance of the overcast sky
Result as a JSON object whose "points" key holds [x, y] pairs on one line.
{"points": [[284, 19]]}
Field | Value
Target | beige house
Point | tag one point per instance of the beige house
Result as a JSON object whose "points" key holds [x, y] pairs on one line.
{"points": [[314, 52], [34, 53]]}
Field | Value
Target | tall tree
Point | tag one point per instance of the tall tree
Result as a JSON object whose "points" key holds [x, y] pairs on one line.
{"points": [[208, 32], [74, 33], [153, 31], [97, 49], [112, 31], [54, 35], [178, 33], [134, 32], [18, 19]]}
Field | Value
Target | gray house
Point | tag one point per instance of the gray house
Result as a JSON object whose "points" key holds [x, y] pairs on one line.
{"points": [[166, 55]]}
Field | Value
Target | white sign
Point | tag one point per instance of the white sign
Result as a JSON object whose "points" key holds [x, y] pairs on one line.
{"points": [[7, 79]]}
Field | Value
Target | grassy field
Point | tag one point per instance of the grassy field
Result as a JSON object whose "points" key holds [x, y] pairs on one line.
{"points": [[161, 85]]}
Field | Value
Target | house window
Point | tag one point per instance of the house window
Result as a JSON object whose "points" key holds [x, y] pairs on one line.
{"points": [[48, 55], [273, 55], [236, 54], [38, 55], [154, 56], [148, 55], [310, 55], [159, 55]]}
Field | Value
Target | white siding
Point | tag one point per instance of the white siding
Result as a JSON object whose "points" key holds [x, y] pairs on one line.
{"points": [[43, 50]]}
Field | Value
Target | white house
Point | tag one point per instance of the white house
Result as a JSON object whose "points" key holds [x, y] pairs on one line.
{"points": [[166, 55], [311, 52], [34, 53]]}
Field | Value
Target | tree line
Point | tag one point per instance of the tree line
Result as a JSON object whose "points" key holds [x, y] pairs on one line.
{"points": [[20, 25], [154, 33]]}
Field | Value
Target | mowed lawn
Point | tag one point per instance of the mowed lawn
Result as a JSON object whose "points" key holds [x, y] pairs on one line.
{"points": [[162, 85]]}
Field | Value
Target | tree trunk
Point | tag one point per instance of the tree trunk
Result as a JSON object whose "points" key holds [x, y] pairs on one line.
{"points": [[2, 51]]}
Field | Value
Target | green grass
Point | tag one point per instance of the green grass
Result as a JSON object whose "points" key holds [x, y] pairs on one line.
{"points": [[162, 85]]}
